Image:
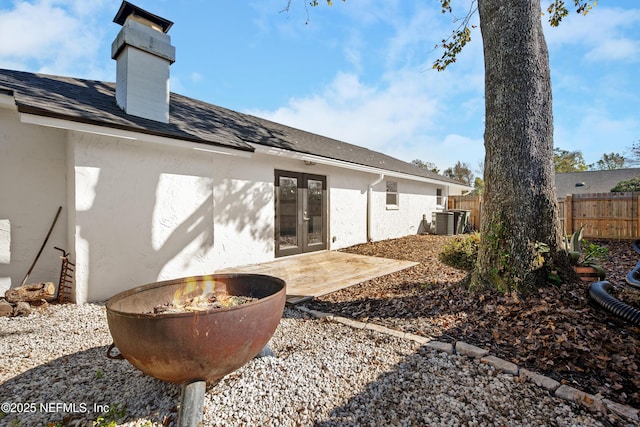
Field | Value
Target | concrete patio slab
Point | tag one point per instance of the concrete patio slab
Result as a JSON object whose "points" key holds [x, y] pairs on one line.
{"points": [[319, 273]]}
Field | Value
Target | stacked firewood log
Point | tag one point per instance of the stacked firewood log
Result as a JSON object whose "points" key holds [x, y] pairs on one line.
{"points": [[20, 301]]}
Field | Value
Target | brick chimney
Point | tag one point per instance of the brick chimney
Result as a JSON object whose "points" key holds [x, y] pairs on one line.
{"points": [[143, 53]]}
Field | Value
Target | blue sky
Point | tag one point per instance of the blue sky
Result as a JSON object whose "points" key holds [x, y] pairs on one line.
{"points": [[359, 71]]}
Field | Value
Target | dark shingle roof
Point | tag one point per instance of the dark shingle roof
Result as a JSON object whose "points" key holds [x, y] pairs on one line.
{"points": [[93, 102], [592, 181]]}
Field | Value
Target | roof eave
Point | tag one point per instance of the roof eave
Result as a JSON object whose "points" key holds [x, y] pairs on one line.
{"points": [[273, 151], [7, 100], [133, 135]]}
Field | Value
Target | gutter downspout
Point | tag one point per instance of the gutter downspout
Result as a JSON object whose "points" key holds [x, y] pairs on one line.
{"points": [[369, 203], [445, 201]]}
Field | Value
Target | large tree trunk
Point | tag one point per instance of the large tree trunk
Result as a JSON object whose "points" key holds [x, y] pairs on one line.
{"points": [[520, 204]]}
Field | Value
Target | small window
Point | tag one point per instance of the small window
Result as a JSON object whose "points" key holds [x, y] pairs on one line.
{"points": [[439, 196], [392, 194]]}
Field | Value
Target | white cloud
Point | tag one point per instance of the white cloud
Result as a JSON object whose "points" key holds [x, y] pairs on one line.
{"points": [[409, 111], [404, 116], [196, 77], [414, 37], [26, 25], [353, 50], [348, 110], [596, 132], [369, 12], [53, 36], [457, 144], [605, 34], [615, 50]]}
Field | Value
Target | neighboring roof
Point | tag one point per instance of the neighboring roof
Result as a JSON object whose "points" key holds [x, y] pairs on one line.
{"points": [[93, 102], [592, 181]]}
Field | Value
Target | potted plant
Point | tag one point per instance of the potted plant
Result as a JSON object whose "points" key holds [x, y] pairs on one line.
{"points": [[583, 256]]}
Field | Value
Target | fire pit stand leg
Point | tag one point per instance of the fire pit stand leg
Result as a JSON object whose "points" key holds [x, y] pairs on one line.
{"points": [[191, 404], [266, 352]]}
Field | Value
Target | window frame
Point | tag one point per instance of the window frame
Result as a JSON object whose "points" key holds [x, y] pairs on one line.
{"points": [[392, 190]]}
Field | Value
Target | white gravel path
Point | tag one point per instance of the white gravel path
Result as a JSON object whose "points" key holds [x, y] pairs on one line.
{"points": [[53, 368]]}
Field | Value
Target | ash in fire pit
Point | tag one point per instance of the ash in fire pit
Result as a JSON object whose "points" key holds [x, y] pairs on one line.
{"points": [[210, 301]]}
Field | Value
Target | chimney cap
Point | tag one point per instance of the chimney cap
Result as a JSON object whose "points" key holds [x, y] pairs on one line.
{"points": [[127, 9]]}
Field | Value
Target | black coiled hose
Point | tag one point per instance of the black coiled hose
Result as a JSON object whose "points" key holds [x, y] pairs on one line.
{"points": [[598, 291], [634, 275]]}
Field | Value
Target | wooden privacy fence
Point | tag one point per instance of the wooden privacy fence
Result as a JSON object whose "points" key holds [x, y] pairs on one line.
{"points": [[603, 215], [470, 202]]}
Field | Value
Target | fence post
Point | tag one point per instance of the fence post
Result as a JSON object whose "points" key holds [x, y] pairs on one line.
{"points": [[568, 214]]}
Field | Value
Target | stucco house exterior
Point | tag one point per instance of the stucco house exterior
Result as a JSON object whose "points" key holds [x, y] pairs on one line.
{"points": [[154, 185]]}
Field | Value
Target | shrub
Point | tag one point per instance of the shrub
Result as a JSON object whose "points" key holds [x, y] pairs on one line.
{"points": [[461, 251], [632, 184]]}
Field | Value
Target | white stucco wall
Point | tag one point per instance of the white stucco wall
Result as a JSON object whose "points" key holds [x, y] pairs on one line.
{"points": [[32, 187], [141, 212], [348, 212], [347, 203], [244, 211], [415, 200], [347, 198]]}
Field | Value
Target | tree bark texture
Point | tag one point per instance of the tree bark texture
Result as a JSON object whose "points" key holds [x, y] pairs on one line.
{"points": [[520, 203]]}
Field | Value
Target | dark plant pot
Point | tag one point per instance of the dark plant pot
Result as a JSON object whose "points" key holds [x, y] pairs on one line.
{"points": [[588, 273]]}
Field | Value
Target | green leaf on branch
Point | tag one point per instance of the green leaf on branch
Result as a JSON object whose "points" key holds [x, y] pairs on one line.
{"points": [[558, 10], [459, 38], [452, 47]]}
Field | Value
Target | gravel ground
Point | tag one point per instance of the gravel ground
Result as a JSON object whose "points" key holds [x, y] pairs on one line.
{"points": [[557, 331], [54, 370]]}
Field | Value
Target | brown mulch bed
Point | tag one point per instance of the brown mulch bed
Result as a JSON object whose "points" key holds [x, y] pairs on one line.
{"points": [[557, 332]]}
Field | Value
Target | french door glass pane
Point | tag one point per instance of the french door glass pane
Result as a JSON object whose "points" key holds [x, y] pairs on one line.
{"points": [[288, 198], [314, 212]]}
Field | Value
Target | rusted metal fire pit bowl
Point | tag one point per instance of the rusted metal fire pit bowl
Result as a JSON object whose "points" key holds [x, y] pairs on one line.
{"points": [[195, 345]]}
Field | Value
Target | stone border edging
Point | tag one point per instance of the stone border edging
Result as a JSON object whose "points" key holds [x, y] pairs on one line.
{"points": [[559, 390]]}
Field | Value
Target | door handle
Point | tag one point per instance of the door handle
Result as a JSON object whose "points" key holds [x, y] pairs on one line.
{"points": [[304, 216]]}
